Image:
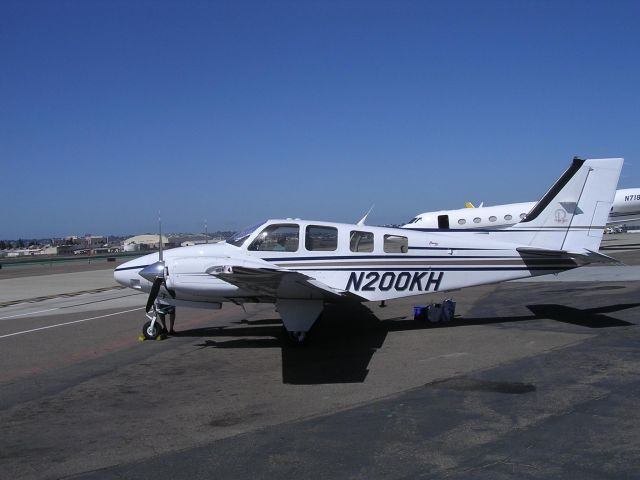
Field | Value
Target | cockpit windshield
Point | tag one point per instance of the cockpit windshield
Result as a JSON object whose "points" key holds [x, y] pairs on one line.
{"points": [[239, 238]]}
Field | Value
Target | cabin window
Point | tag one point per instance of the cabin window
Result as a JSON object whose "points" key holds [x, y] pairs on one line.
{"points": [[523, 216], [476, 220], [321, 239], [462, 221], [492, 218], [396, 244], [277, 238], [508, 217], [361, 241]]}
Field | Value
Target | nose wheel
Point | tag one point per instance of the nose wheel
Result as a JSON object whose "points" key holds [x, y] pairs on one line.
{"points": [[151, 330]]}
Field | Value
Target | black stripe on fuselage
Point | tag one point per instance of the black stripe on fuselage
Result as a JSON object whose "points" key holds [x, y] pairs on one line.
{"points": [[382, 257], [122, 269], [435, 268], [505, 229]]}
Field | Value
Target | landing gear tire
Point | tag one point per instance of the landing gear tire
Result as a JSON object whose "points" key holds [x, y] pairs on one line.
{"points": [[294, 339], [150, 333]]}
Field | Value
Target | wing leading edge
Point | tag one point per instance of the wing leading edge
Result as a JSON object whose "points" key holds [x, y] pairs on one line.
{"points": [[280, 283]]}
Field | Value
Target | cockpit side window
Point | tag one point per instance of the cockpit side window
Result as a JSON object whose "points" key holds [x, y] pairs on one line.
{"points": [[277, 238], [396, 244], [321, 239], [361, 241]]}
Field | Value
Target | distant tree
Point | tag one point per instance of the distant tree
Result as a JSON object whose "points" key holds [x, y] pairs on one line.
{"points": [[20, 243], [3, 245]]}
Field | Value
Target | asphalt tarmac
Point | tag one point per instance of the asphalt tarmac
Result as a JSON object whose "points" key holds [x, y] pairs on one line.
{"points": [[531, 380]]}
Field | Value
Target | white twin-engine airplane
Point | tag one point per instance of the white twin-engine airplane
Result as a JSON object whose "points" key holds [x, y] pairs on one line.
{"points": [[300, 265], [625, 208]]}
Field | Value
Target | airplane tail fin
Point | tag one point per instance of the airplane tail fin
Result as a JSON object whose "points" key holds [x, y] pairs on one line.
{"points": [[471, 205], [572, 215]]}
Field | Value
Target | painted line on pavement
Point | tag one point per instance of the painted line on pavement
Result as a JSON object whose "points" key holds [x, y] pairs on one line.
{"points": [[29, 313], [11, 303], [17, 315], [69, 323]]}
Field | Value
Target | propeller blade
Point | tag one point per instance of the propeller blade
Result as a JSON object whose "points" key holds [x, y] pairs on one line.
{"points": [[155, 289]]}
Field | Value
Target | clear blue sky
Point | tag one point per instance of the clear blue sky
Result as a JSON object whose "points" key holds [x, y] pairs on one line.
{"points": [[240, 111]]}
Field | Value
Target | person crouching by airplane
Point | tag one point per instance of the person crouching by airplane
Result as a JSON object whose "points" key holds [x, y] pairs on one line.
{"points": [[163, 311]]}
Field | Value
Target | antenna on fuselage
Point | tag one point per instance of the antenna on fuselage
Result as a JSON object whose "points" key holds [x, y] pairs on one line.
{"points": [[363, 219], [160, 233]]}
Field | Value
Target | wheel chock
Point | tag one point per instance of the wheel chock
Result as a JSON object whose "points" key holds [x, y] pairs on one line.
{"points": [[159, 337]]}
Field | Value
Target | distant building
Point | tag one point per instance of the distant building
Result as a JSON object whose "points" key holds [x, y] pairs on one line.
{"points": [[144, 242], [50, 250], [94, 240], [22, 252], [185, 240], [67, 249]]}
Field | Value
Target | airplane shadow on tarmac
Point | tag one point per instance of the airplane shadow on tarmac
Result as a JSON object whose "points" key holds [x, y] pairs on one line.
{"points": [[345, 338]]}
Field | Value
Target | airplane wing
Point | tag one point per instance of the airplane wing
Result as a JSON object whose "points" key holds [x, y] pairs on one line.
{"points": [[278, 283]]}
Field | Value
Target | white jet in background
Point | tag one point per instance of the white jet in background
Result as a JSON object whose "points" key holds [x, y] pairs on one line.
{"points": [[301, 265], [625, 209]]}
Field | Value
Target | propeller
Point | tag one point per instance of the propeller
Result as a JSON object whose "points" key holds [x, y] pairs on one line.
{"points": [[155, 272], [155, 288]]}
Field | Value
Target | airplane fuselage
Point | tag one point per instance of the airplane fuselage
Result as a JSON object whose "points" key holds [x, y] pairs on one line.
{"points": [[355, 262]]}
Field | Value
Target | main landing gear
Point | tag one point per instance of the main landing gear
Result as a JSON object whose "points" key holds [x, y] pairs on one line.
{"points": [[294, 339], [298, 316]]}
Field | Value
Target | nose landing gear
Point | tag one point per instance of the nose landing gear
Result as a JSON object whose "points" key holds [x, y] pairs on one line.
{"points": [[151, 330], [155, 328]]}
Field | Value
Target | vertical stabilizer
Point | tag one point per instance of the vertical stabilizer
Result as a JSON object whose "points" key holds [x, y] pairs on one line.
{"points": [[572, 215]]}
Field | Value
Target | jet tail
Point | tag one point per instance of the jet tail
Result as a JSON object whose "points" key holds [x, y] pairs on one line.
{"points": [[572, 215]]}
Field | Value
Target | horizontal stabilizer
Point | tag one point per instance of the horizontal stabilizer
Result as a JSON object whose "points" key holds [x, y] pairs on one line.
{"points": [[597, 257], [581, 258]]}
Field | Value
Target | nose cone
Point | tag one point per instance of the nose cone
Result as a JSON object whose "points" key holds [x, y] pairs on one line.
{"points": [[124, 273], [127, 274]]}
